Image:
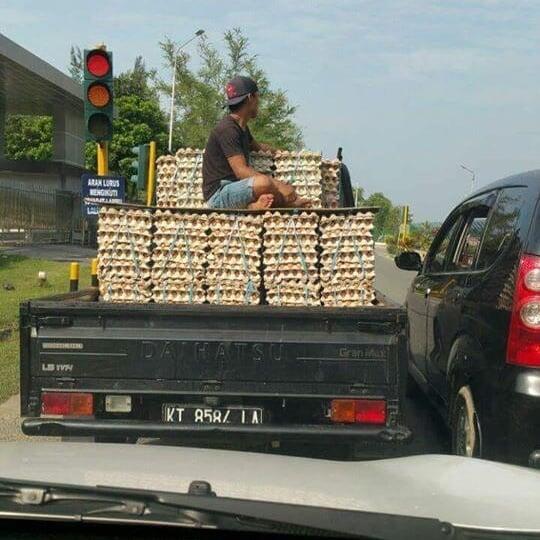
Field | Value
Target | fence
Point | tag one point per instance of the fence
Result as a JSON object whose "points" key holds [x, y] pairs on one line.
{"points": [[39, 215]]}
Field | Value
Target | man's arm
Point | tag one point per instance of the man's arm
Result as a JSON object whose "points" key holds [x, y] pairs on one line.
{"points": [[257, 146], [240, 168]]}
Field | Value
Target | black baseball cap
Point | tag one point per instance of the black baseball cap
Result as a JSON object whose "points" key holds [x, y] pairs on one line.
{"points": [[239, 88]]}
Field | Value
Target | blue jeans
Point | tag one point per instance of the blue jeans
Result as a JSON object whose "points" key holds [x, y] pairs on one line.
{"points": [[232, 194]]}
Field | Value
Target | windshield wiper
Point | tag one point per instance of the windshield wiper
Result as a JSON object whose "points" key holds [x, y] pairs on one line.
{"points": [[200, 507]]}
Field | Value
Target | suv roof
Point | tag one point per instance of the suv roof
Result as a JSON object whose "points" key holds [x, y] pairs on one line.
{"points": [[527, 179]]}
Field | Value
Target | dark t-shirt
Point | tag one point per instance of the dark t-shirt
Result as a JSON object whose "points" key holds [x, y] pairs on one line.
{"points": [[226, 140]]}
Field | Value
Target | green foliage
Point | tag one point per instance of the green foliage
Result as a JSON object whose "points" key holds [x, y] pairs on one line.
{"points": [[28, 137], [422, 234], [387, 219], [199, 94], [22, 273]]}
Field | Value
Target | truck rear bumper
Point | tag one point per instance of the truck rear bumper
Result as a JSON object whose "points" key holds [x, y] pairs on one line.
{"points": [[135, 428]]}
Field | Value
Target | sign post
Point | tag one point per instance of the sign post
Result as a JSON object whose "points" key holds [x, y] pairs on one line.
{"points": [[98, 189]]}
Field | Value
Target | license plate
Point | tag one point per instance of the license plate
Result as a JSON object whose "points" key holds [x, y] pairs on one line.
{"points": [[188, 414]]}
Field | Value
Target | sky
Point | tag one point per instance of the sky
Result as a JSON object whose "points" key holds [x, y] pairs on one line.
{"points": [[411, 89]]}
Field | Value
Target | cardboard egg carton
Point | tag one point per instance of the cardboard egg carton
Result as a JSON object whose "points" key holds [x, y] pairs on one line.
{"points": [[179, 179], [290, 258], [303, 171], [350, 294], [300, 292], [262, 162], [124, 290], [347, 260], [124, 249], [234, 259], [179, 256], [330, 182], [181, 290]]}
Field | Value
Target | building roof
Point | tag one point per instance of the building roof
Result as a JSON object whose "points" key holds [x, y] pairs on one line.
{"points": [[30, 85]]}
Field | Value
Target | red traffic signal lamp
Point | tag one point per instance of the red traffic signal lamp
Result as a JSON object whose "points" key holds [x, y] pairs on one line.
{"points": [[98, 95]]}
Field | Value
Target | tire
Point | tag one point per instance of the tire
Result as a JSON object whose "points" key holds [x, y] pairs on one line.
{"points": [[465, 425]]}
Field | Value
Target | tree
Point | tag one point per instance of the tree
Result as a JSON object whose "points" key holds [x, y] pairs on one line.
{"points": [[28, 137], [199, 94], [387, 219], [76, 64]]}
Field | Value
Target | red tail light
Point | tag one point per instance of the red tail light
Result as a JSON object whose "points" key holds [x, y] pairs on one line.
{"points": [[524, 335], [67, 403], [358, 411]]}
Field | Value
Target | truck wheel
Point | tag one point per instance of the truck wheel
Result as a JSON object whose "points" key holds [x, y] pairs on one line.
{"points": [[465, 425], [116, 440]]}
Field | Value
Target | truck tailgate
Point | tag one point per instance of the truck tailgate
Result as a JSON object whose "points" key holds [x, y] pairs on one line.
{"points": [[217, 343]]}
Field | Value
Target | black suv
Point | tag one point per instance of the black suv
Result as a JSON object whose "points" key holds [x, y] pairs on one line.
{"points": [[474, 321]]}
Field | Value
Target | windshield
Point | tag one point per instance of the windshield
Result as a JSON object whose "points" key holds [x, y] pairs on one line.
{"points": [[202, 209]]}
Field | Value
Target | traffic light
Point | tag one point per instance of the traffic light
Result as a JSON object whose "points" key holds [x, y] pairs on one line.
{"points": [[140, 164], [98, 95]]}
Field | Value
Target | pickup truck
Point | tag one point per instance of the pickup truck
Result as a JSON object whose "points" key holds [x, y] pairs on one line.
{"points": [[118, 372]]}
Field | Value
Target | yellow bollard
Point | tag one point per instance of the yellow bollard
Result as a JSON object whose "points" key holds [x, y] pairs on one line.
{"points": [[93, 273], [74, 272]]}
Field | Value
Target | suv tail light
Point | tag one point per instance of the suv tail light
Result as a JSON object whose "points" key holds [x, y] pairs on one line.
{"points": [[358, 411], [524, 335], [67, 403]]}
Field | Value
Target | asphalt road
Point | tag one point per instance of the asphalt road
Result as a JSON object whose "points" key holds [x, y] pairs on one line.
{"points": [[389, 279]]}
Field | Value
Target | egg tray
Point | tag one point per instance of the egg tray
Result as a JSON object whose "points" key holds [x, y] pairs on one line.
{"points": [[179, 179]]}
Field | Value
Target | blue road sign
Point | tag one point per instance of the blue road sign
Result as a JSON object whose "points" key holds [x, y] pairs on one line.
{"points": [[97, 189]]}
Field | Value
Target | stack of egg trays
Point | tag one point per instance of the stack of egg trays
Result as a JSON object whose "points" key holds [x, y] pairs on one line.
{"points": [[347, 259], [262, 162], [124, 254], [330, 178], [166, 181], [290, 258], [190, 194], [179, 179], [233, 275], [303, 171], [179, 257]]}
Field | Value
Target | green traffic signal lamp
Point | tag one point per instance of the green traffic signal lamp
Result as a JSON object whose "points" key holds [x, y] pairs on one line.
{"points": [[98, 95], [140, 165]]}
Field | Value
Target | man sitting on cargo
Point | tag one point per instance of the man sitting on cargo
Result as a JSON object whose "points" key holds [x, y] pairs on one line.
{"points": [[228, 179]]}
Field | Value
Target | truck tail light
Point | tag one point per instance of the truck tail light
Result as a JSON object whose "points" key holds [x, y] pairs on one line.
{"points": [[67, 403], [358, 411], [523, 346]]}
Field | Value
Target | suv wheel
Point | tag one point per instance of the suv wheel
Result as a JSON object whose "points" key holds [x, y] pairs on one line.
{"points": [[466, 432]]}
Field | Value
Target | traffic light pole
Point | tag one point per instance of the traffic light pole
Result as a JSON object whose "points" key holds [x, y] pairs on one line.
{"points": [[151, 173], [102, 158]]}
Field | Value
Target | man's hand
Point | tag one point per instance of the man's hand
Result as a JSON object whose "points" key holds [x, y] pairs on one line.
{"points": [[257, 147]]}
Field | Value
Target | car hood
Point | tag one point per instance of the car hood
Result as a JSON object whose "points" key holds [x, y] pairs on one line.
{"points": [[462, 491]]}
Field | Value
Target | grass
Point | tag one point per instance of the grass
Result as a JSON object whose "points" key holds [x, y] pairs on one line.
{"points": [[22, 274]]}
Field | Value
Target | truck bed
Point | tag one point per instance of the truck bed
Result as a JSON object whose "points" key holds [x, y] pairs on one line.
{"points": [[290, 362]]}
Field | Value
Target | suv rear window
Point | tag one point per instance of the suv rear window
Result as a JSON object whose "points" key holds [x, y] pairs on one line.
{"points": [[502, 225]]}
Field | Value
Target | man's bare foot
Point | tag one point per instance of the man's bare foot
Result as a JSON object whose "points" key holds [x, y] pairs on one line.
{"points": [[300, 202], [262, 203]]}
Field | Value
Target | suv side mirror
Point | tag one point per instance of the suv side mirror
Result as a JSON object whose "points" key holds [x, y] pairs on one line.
{"points": [[409, 260]]}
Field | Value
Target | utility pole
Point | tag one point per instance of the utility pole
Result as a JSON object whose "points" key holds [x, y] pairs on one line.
{"points": [[473, 177], [171, 116]]}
